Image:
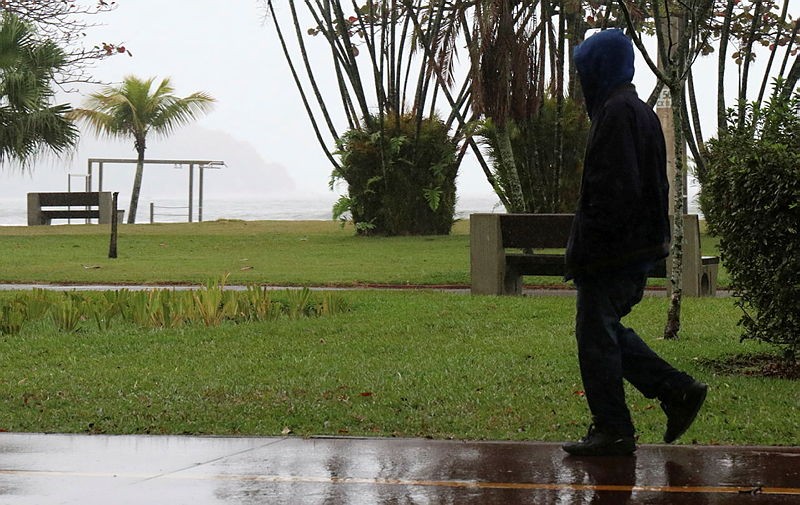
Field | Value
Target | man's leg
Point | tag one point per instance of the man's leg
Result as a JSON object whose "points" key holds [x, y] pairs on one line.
{"points": [[601, 366], [608, 352], [600, 305], [646, 370]]}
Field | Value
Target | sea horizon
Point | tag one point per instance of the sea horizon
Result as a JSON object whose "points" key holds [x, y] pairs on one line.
{"points": [[13, 211]]}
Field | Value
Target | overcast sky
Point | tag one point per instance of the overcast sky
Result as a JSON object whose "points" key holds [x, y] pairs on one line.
{"points": [[226, 49]]}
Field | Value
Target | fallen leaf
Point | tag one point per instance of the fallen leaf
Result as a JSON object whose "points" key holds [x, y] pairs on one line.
{"points": [[246, 268], [286, 431], [91, 267]]}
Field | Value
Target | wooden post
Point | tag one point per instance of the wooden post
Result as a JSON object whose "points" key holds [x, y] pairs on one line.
{"points": [[112, 247]]}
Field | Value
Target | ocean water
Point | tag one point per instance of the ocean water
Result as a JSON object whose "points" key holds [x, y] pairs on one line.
{"points": [[13, 211]]}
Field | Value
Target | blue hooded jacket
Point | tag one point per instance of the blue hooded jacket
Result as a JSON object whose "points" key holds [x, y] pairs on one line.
{"points": [[604, 62], [621, 223]]}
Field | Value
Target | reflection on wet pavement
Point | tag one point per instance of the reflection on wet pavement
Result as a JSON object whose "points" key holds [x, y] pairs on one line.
{"points": [[81, 469]]}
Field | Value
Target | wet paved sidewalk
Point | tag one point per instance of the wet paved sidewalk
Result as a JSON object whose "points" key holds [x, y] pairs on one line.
{"points": [[109, 470]]}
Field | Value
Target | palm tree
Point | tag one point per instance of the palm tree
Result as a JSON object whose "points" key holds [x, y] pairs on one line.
{"points": [[29, 125], [134, 109]]}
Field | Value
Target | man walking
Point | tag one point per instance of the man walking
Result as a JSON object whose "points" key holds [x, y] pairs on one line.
{"points": [[621, 229]]}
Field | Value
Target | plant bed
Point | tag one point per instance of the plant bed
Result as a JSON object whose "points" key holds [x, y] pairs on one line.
{"points": [[755, 365]]}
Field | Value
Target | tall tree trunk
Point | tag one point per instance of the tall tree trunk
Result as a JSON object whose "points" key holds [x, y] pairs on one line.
{"points": [[768, 71], [673, 325], [559, 92], [722, 113], [510, 176], [304, 98], [745, 75], [789, 48], [137, 182], [791, 78]]}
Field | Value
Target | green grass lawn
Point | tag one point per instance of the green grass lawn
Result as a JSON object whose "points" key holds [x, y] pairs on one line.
{"points": [[408, 364], [264, 252], [272, 252], [411, 363]]}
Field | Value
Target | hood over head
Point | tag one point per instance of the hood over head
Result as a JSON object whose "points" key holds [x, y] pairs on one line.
{"points": [[604, 62]]}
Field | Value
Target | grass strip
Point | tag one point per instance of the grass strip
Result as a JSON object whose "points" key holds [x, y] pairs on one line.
{"points": [[406, 364], [280, 253]]}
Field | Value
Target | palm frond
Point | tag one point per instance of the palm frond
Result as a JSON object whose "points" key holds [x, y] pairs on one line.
{"points": [[181, 111], [29, 124]]}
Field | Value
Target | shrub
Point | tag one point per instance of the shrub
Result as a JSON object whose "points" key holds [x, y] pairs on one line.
{"points": [[548, 184], [400, 177], [751, 199]]}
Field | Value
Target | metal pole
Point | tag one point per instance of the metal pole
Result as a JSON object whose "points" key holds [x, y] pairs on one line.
{"points": [[89, 171], [100, 177], [69, 190], [191, 189], [152, 211], [87, 181], [200, 197]]}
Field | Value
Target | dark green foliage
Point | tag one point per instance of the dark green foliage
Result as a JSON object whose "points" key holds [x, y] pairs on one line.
{"points": [[751, 199], [29, 123], [547, 185], [400, 178]]}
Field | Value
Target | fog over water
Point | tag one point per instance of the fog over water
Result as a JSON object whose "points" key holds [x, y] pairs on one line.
{"points": [[13, 211]]}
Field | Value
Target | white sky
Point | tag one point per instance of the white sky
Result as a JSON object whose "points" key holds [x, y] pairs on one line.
{"points": [[226, 49]]}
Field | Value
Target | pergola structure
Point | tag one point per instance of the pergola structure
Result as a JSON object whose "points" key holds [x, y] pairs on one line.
{"points": [[201, 164]]}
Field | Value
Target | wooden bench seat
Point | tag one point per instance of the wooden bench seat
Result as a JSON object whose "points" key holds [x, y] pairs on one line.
{"points": [[537, 243], [44, 207]]}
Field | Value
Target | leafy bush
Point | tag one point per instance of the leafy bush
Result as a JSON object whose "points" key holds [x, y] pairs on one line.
{"points": [[549, 185], [751, 199], [400, 178]]}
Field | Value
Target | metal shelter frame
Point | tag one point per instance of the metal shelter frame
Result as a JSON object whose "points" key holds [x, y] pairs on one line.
{"points": [[201, 164]]}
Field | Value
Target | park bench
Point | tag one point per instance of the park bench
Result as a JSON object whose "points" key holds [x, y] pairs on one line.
{"points": [[496, 271], [44, 207]]}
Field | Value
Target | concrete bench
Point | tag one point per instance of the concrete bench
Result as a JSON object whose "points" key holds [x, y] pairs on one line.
{"points": [[496, 271], [44, 207]]}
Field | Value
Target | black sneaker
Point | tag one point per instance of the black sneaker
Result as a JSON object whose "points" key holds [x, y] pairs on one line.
{"points": [[682, 410], [599, 442]]}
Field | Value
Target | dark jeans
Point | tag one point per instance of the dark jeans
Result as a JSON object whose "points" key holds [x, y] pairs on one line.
{"points": [[609, 352]]}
